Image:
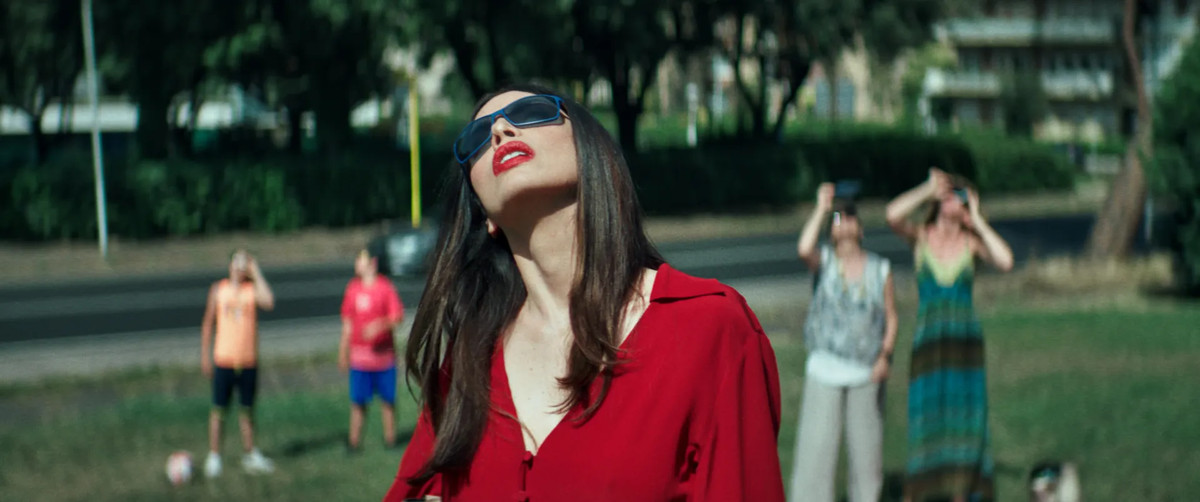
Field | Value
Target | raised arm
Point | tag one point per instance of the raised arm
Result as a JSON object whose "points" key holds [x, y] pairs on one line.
{"points": [[807, 247], [206, 332], [989, 247], [900, 208], [263, 296]]}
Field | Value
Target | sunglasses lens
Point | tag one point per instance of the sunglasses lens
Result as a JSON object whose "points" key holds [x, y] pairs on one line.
{"points": [[532, 110], [526, 111], [473, 136]]}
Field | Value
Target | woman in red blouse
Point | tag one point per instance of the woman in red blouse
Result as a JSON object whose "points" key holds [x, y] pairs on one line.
{"points": [[559, 358]]}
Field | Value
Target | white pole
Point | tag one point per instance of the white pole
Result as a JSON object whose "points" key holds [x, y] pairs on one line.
{"points": [[89, 45]]}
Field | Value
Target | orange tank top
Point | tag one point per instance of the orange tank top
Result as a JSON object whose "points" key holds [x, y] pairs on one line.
{"points": [[237, 338]]}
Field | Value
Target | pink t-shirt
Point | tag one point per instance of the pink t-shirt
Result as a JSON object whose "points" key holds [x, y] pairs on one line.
{"points": [[365, 303]]}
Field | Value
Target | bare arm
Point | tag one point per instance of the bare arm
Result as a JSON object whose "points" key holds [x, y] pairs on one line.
{"points": [[900, 208], [883, 363], [892, 322], [990, 247], [807, 247], [344, 345], [206, 331], [263, 296]]}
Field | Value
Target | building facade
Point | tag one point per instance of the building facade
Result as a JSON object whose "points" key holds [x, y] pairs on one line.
{"points": [[1074, 48]]}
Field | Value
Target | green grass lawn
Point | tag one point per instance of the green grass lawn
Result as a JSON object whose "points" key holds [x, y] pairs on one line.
{"points": [[1113, 391]]}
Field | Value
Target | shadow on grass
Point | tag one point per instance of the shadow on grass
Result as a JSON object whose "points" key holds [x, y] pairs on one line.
{"points": [[893, 483], [305, 446]]}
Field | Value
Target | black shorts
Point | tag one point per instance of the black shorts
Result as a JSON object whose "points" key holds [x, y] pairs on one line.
{"points": [[226, 379]]}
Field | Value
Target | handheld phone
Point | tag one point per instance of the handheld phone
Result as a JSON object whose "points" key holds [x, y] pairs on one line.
{"points": [[962, 195], [847, 189]]}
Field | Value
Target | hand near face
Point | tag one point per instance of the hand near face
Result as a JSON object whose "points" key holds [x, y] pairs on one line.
{"points": [[940, 182], [825, 197], [973, 202]]}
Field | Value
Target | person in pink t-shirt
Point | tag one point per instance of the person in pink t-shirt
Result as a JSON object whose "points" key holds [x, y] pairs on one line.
{"points": [[371, 309]]}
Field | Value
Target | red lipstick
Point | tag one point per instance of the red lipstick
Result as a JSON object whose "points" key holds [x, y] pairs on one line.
{"points": [[516, 153]]}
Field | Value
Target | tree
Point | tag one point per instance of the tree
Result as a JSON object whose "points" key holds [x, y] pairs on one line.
{"points": [[1116, 224], [41, 55], [495, 42], [784, 39], [155, 52], [1175, 173], [625, 42]]}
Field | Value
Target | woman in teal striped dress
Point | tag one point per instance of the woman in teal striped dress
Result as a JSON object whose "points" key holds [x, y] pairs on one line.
{"points": [[948, 451]]}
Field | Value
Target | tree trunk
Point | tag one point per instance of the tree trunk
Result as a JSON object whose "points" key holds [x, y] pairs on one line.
{"points": [[295, 136], [764, 102], [152, 135], [40, 147], [464, 59], [334, 132], [781, 117], [627, 112], [1116, 224]]}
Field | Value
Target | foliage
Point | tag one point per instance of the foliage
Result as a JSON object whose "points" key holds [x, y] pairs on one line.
{"points": [[40, 57], [1175, 170], [740, 176], [151, 198], [785, 39], [918, 63]]}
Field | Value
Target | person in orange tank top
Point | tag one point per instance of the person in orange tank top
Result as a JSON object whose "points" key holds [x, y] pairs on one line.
{"points": [[230, 358]]}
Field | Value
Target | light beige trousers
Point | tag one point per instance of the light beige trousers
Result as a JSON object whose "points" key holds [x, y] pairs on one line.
{"points": [[823, 412]]}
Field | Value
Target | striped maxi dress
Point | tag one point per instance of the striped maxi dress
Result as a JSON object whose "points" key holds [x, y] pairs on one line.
{"points": [[948, 440]]}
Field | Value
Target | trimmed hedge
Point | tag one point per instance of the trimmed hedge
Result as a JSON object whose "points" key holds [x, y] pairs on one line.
{"points": [[736, 176], [279, 192], [156, 198]]}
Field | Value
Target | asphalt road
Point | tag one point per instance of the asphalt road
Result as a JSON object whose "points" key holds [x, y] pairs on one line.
{"points": [[83, 309]]}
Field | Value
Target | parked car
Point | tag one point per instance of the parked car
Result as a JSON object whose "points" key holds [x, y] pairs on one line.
{"points": [[405, 251]]}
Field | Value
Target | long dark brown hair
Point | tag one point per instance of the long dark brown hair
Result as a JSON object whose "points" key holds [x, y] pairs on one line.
{"points": [[474, 292]]}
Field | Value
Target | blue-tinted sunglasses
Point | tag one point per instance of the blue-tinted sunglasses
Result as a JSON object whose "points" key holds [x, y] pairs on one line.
{"points": [[525, 112], [962, 195]]}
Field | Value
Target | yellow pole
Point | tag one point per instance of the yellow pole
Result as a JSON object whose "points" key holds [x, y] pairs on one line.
{"points": [[414, 148]]}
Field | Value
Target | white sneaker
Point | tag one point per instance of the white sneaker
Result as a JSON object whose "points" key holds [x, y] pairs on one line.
{"points": [[255, 463], [212, 466]]}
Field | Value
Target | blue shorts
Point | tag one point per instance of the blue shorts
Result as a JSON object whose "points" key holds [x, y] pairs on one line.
{"points": [[365, 384]]}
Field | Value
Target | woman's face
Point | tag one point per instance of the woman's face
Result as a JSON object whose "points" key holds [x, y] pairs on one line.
{"points": [[239, 265], [952, 206], [520, 166], [844, 226]]}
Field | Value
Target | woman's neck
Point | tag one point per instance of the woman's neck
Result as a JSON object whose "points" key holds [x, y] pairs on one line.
{"points": [[546, 255], [847, 248], [367, 279], [946, 227]]}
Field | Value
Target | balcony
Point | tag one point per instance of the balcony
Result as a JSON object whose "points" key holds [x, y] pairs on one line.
{"points": [[1062, 86], [988, 32]]}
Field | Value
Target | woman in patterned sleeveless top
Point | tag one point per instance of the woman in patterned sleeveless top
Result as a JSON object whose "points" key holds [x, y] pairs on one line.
{"points": [[849, 334], [949, 455]]}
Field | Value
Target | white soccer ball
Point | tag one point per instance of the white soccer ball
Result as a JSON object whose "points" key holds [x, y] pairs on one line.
{"points": [[179, 467]]}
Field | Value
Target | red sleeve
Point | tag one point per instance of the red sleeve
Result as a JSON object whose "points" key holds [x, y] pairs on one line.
{"points": [[347, 303], [739, 459], [420, 447]]}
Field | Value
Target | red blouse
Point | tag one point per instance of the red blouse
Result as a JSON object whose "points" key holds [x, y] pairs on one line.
{"points": [[692, 415]]}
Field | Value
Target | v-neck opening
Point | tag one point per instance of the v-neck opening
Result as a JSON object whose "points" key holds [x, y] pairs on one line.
{"points": [[574, 410], [858, 282], [941, 269]]}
